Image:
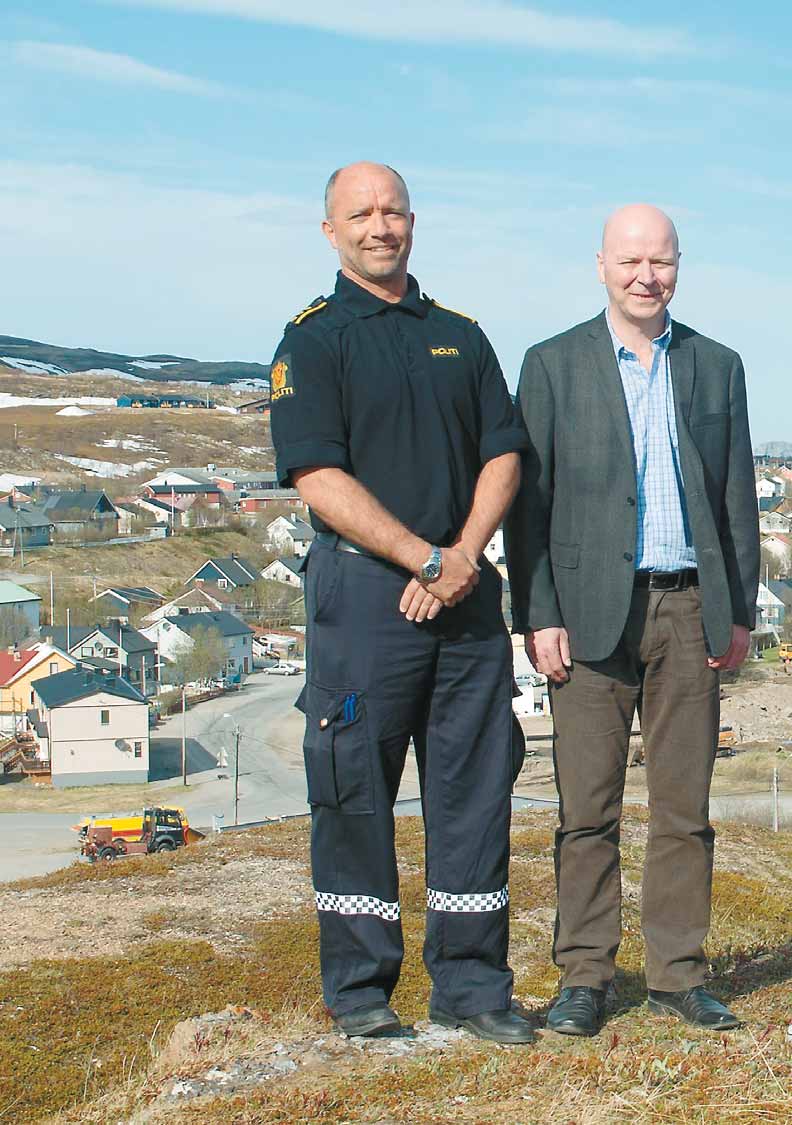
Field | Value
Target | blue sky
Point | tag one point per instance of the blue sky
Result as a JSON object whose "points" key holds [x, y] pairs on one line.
{"points": [[162, 164]]}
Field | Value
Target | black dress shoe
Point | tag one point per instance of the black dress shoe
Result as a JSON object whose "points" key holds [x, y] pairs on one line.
{"points": [[695, 1005], [371, 1020], [501, 1025], [577, 1011]]}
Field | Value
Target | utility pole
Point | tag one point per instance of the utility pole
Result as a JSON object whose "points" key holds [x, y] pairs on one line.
{"points": [[184, 734], [52, 600], [68, 629], [776, 800], [236, 773]]}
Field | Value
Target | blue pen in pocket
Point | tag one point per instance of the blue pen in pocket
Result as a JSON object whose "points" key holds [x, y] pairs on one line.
{"points": [[350, 708]]}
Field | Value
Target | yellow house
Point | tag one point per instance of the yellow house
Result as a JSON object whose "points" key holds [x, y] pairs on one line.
{"points": [[19, 670]]}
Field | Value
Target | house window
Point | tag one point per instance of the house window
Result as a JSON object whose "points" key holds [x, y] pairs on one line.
{"points": [[32, 698], [111, 652], [222, 583], [104, 717], [134, 674], [86, 650], [53, 667], [138, 749]]}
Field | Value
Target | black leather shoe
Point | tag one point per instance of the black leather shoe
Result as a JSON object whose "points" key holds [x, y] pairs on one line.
{"points": [[577, 1011], [695, 1005], [371, 1020], [501, 1026]]}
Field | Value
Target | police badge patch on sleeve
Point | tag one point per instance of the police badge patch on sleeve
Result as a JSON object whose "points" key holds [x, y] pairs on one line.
{"points": [[281, 383]]}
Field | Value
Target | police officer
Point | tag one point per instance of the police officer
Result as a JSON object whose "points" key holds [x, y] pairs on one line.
{"points": [[391, 416]]}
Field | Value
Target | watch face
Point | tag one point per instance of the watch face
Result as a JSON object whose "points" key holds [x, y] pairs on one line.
{"points": [[431, 571]]}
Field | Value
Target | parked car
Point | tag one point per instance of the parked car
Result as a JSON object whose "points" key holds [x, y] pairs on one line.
{"points": [[531, 679], [282, 669]]}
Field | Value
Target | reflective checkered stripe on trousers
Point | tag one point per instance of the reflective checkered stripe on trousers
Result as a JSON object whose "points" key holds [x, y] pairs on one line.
{"points": [[358, 904], [467, 903]]}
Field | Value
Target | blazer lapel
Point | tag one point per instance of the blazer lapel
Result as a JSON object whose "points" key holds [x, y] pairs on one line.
{"points": [[682, 358], [610, 383]]}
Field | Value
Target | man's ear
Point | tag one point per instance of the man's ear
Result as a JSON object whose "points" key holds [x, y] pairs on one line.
{"points": [[329, 232], [601, 266]]}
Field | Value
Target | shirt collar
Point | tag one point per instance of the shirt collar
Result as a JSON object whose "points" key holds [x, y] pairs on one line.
{"points": [[360, 302], [662, 341]]}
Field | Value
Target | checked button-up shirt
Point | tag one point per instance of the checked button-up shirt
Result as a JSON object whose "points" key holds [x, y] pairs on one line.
{"points": [[664, 541]]}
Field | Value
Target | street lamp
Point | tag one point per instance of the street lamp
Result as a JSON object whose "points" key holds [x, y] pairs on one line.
{"points": [[226, 715]]}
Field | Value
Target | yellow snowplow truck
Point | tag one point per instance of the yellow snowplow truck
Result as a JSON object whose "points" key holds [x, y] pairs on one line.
{"points": [[169, 829]]}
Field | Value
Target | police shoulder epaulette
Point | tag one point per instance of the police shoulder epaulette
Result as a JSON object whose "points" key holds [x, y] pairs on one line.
{"points": [[445, 308], [315, 306]]}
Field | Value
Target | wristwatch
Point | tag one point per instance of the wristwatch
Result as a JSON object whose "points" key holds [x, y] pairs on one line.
{"points": [[433, 567]]}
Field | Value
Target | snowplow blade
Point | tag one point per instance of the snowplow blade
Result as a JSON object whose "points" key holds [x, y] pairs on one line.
{"points": [[192, 835]]}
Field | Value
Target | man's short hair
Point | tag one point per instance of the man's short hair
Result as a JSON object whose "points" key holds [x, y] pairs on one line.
{"points": [[328, 195]]}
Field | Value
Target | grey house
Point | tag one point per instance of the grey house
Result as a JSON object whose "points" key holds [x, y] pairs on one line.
{"points": [[119, 601], [113, 647], [24, 602], [23, 527], [82, 513]]}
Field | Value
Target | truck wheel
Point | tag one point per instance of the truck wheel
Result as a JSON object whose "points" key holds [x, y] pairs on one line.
{"points": [[107, 854], [166, 846]]}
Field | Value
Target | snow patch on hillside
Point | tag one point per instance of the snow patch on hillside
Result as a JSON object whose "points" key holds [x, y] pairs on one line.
{"points": [[74, 411], [106, 468], [32, 366], [8, 400]]}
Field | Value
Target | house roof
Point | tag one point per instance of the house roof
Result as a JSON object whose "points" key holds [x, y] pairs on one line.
{"points": [[80, 683], [770, 503], [780, 536], [230, 473], [141, 594], [11, 664], [16, 516], [10, 593], [196, 596], [270, 494], [236, 570], [76, 500], [122, 635], [782, 588], [303, 532], [184, 489], [294, 565], [226, 623], [198, 476]]}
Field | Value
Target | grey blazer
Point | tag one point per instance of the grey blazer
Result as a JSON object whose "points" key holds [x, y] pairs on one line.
{"points": [[571, 533]]}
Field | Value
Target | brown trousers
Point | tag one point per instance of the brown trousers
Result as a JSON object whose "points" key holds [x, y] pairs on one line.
{"points": [[660, 667]]}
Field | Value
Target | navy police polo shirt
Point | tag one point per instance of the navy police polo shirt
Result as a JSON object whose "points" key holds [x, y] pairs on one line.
{"points": [[408, 398]]}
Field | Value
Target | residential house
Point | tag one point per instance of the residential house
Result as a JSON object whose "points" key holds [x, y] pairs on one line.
{"points": [[24, 602], [494, 550], [22, 526], [172, 402], [782, 588], [284, 570], [167, 511], [127, 514], [774, 521], [289, 535], [174, 477], [119, 601], [114, 646], [772, 504], [92, 727], [196, 600], [19, 669], [256, 406], [251, 502], [224, 575], [176, 635], [769, 612], [779, 545], [210, 494], [767, 486], [243, 479], [83, 513]]}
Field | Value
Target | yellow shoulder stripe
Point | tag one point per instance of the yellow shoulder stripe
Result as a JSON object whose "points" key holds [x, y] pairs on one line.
{"points": [[307, 312], [454, 311]]}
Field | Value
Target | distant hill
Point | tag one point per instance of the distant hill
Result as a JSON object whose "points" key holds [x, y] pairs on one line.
{"points": [[772, 449], [35, 358]]}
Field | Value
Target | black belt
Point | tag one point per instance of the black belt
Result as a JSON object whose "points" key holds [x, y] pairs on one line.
{"points": [[336, 543], [666, 580]]}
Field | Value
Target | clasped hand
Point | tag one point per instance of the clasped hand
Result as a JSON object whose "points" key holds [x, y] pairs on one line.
{"points": [[422, 601]]}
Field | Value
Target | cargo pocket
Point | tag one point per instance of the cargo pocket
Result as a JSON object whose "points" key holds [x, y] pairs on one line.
{"points": [[336, 749]]}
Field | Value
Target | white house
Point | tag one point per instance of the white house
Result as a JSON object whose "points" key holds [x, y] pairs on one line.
{"points": [[176, 636], [774, 521], [770, 486], [284, 570], [175, 477], [197, 600], [289, 535], [769, 608], [92, 726], [778, 545]]}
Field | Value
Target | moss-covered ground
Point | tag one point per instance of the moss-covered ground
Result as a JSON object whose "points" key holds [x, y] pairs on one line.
{"points": [[79, 1037]]}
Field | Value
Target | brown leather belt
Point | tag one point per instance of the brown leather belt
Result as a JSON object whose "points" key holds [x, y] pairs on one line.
{"points": [[666, 580]]}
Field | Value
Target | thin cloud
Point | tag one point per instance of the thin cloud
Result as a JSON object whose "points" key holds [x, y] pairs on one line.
{"points": [[108, 66], [494, 22]]}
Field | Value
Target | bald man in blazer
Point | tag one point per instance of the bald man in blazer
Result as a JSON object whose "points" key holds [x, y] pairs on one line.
{"points": [[633, 555]]}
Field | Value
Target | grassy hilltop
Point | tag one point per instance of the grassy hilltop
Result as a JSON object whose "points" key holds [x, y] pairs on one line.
{"points": [[103, 963]]}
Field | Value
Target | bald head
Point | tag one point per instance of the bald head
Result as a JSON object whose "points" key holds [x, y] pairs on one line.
{"points": [[638, 264], [369, 222], [361, 172], [638, 220]]}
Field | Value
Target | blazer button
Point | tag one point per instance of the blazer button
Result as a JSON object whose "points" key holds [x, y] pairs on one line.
{"points": [[628, 557], [631, 501]]}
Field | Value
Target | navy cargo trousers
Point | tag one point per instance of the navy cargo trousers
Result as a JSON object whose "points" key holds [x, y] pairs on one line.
{"points": [[374, 680]]}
